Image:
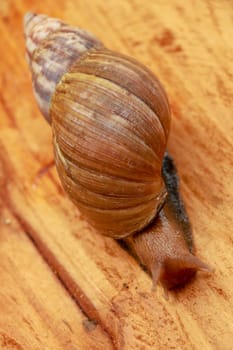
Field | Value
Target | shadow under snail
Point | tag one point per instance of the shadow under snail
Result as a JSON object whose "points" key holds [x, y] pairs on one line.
{"points": [[110, 119]]}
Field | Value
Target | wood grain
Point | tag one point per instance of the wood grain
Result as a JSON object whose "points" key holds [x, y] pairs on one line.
{"points": [[36, 310], [66, 286]]}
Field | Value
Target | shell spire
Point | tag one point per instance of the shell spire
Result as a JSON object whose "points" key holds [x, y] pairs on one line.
{"points": [[51, 48]]}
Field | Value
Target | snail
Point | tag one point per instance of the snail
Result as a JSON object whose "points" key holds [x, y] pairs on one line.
{"points": [[110, 120]]}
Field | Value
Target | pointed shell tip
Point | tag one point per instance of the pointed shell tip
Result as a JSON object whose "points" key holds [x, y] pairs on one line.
{"points": [[27, 17]]}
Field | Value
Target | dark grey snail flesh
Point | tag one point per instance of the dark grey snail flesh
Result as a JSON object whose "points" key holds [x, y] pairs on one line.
{"points": [[110, 119]]}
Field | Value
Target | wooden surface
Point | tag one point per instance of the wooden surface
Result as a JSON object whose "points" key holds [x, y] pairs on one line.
{"points": [[62, 285]]}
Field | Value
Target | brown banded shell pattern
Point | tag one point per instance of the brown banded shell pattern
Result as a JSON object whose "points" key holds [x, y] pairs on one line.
{"points": [[51, 47], [110, 120]]}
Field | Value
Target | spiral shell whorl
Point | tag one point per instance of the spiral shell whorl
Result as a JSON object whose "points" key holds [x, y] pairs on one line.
{"points": [[51, 48], [110, 121]]}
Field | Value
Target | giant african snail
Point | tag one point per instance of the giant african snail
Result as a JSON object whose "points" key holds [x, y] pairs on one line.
{"points": [[110, 119]]}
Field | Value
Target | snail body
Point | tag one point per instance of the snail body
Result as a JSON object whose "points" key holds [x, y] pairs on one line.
{"points": [[110, 119]]}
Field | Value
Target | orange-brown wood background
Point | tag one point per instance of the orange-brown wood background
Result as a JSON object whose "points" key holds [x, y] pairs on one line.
{"points": [[62, 286]]}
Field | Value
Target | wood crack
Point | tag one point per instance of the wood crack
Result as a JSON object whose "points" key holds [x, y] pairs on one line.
{"points": [[66, 280]]}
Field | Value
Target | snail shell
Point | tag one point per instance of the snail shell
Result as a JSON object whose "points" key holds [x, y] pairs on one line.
{"points": [[110, 119]]}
